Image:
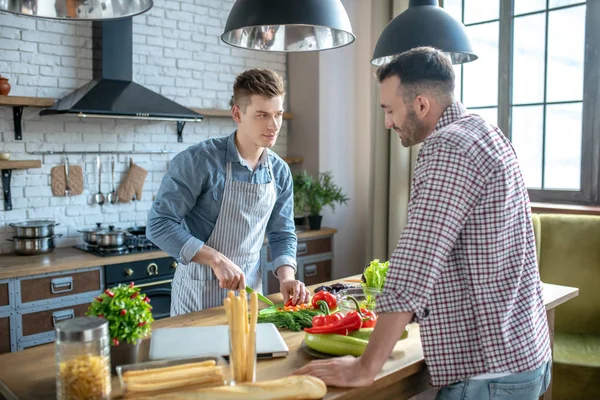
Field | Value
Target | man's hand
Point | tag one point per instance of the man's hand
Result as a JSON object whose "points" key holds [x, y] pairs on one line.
{"points": [[291, 288], [230, 276], [340, 371]]}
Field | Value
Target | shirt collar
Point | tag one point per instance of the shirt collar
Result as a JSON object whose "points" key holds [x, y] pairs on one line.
{"points": [[453, 113], [233, 154]]}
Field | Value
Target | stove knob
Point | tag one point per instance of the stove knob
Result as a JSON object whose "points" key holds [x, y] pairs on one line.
{"points": [[174, 264], [152, 269], [128, 272]]}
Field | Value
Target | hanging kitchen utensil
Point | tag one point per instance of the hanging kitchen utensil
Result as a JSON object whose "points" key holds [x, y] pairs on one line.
{"points": [[113, 197], [131, 187], [99, 196], [59, 180], [67, 186]]}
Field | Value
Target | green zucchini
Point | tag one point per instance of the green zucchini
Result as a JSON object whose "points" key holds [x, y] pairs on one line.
{"points": [[334, 344], [365, 333]]}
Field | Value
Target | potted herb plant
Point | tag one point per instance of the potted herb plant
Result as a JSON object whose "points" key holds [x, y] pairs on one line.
{"points": [[317, 193], [128, 312], [302, 184]]}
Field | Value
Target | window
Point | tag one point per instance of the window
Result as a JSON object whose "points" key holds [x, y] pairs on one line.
{"points": [[530, 80]]}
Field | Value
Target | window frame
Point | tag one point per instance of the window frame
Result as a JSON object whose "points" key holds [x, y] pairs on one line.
{"points": [[589, 193]]}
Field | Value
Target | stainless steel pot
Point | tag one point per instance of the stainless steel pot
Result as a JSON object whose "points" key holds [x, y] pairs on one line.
{"points": [[111, 238], [34, 229], [33, 246], [89, 235]]}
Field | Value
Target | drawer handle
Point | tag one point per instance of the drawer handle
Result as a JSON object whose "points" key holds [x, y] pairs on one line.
{"points": [[61, 285], [62, 316], [310, 270], [302, 249]]}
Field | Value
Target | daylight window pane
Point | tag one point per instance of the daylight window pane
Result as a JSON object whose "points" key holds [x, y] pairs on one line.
{"points": [[454, 8], [560, 3], [527, 6], [563, 147], [527, 139], [529, 59], [479, 11], [480, 77], [566, 48], [489, 114]]}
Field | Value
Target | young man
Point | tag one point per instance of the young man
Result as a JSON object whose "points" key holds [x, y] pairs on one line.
{"points": [[465, 265], [219, 198]]}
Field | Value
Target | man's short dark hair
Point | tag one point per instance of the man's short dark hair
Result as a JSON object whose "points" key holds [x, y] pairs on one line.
{"points": [[420, 69]]}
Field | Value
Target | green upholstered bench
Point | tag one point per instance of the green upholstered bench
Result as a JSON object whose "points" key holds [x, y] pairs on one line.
{"points": [[569, 254]]}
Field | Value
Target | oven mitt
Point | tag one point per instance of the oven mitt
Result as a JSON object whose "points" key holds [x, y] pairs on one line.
{"points": [[59, 183], [132, 184]]}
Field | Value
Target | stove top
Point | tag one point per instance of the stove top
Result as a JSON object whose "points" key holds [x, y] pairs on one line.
{"points": [[133, 245]]}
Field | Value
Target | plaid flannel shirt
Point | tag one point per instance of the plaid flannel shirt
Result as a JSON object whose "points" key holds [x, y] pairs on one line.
{"points": [[466, 262]]}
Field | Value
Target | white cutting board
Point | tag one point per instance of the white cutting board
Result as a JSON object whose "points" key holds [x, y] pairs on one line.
{"points": [[199, 341]]}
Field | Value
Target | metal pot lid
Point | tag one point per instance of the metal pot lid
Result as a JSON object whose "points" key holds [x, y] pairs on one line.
{"points": [[34, 224], [111, 232], [98, 228]]}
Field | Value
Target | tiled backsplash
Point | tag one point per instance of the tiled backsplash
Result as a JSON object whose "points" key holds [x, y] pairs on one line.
{"points": [[176, 52]]}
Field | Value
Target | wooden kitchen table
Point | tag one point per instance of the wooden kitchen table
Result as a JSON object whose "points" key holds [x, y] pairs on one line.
{"points": [[30, 374]]}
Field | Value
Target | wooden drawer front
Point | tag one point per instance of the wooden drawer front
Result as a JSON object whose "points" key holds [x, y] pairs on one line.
{"points": [[310, 247], [56, 286], [5, 334], [44, 321], [4, 294], [317, 272]]}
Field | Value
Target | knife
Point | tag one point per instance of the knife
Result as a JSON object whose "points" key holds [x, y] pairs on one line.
{"points": [[260, 296]]}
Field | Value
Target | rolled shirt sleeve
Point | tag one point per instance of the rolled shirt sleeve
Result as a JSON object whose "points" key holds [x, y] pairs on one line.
{"points": [[445, 188], [281, 229]]}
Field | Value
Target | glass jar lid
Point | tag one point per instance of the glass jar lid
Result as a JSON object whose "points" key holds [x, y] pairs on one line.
{"points": [[82, 329]]}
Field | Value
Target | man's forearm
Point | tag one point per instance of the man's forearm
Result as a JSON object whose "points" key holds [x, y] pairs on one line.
{"points": [[285, 272], [207, 256], [388, 330]]}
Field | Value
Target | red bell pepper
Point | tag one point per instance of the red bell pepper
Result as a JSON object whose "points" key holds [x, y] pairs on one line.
{"points": [[327, 297], [328, 318], [369, 318], [350, 323]]}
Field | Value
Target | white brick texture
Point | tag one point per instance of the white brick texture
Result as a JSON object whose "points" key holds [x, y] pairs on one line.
{"points": [[177, 52]]}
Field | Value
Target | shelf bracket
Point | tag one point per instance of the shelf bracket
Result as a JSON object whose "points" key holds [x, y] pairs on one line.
{"points": [[180, 126], [6, 174], [17, 117]]}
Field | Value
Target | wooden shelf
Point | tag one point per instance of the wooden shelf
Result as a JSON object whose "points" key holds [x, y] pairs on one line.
{"points": [[20, 164], [214, 112], [19, 101], [7, 167], [293, 160]]}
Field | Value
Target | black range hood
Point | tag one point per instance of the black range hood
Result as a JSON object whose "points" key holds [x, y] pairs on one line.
{"points": [[112, 93]]}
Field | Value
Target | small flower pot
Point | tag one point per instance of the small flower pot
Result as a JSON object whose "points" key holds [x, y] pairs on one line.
{"points": [[123, 354], [4, 86], [314, 222]]}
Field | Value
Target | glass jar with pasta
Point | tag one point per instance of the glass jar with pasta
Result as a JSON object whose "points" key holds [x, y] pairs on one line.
{"points": [[82, 359]]}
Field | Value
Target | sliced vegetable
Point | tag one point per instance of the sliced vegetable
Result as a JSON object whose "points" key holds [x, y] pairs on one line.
{"points": [[337, 345], [327, 297]]}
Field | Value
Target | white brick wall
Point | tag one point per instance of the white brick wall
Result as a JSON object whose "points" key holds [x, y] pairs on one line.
{"points": [[177, 52]]}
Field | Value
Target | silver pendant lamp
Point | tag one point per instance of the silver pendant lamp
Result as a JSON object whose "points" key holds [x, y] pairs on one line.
{"points": [[86, 10], [288, 25]]}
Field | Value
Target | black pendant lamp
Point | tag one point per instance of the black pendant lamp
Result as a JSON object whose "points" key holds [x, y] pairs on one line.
{"points": [[424, 24], [81, 10], [288, 25]]}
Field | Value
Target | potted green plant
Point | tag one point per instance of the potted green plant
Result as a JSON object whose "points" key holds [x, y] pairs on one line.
{"points": [[128, 312], [302, 184], [321, 192]]}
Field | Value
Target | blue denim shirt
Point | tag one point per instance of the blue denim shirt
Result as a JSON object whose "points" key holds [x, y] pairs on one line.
{"points": [[188, 202]]}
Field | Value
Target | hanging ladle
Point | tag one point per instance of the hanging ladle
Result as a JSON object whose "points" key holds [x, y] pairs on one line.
{"points": [[99, 196], [113, 197]]}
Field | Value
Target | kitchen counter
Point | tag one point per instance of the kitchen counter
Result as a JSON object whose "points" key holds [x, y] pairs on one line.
{"points": [[30, 374], [69, 258]]}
